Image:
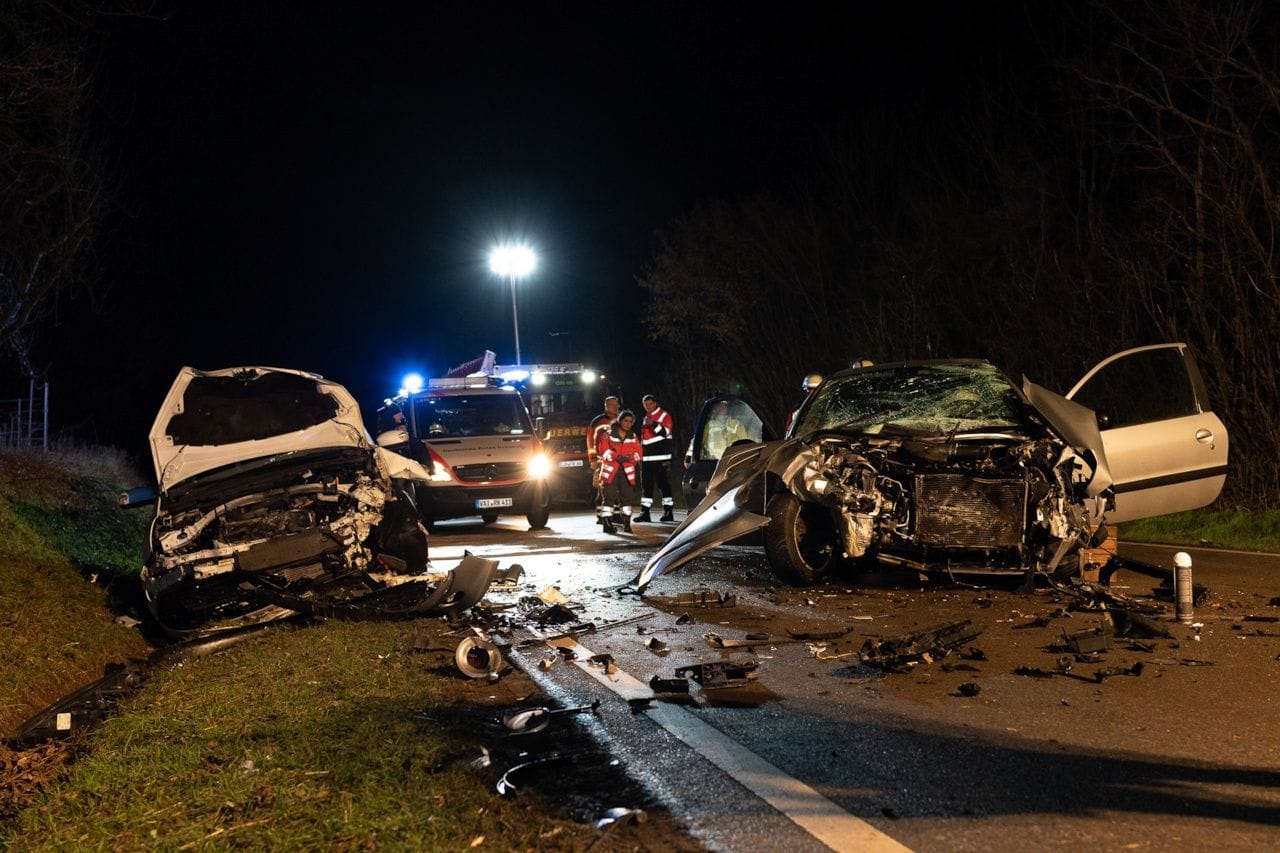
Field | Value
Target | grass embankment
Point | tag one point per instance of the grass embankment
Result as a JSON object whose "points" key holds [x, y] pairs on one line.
{"points": [[336, 735], [59, 526], [331, 736], [1249, 531]]}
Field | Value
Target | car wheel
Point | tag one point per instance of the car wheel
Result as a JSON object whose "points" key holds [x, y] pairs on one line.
{"points": [[541, 510], [801, 540], [488, 517]]}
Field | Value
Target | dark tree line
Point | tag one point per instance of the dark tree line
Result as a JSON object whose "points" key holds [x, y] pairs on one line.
{"points": [[1128, 192], [51, 179]]}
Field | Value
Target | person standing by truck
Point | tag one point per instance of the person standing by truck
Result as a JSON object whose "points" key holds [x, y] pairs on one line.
{"points": [[599, 424], [657, 436], [620, 454]]}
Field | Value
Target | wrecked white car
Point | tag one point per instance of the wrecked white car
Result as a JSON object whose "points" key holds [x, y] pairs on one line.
{"points": [[949, 467], [272, 499]]}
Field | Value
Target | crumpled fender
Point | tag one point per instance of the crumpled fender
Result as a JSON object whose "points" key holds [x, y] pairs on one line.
{"points": [[393, 466], [1079, 426], [723, 514]]}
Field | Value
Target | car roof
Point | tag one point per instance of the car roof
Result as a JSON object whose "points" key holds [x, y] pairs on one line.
{"points": [[929, 362]]}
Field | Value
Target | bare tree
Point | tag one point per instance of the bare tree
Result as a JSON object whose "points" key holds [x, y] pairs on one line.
{"points": [[1190, 98], [50, 187]]}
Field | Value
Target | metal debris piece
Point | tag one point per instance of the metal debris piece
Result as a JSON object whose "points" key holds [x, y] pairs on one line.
{"points": [[532, 720], [658, 647], [605, 660], [1103, 674], [551, 595], [1034, 672], [749, 641], [974, 653], [817, 635], [510, 575], [720, 674], [1088, 641], [705, 598], [476, 657], [621, 815], [507, 788], [899, 654], [1037, 622], [1144, 626], [684, 619], [1090, 657], [668, 685], [1252, 618], [547, 662], [556, 614], [970, 689]]}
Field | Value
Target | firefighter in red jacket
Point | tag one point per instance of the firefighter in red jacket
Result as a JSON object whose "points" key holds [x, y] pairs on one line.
{"points": [[657, 435], [620, 452]]}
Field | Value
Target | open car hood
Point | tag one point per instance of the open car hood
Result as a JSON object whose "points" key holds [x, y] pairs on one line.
{"points": [[210, 419]]}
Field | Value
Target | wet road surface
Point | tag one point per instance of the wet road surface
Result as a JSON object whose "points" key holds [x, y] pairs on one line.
{"points": [[823, 752]]}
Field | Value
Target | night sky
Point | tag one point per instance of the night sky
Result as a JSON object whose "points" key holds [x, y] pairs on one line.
{"points": [[316, 186]]}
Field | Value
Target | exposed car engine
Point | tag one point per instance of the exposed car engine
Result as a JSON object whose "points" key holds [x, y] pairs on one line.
{"points": [[994, 499], [318, 531]]}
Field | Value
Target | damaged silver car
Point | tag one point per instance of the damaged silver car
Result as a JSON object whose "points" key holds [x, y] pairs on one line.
{"points": [[273, 500], [949, 467]]}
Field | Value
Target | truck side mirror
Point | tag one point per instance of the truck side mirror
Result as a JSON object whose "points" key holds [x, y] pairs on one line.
{"points": [[813, 380]]}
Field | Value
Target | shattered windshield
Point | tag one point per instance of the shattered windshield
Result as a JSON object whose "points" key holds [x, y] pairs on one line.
{"points": [[930, 399]]}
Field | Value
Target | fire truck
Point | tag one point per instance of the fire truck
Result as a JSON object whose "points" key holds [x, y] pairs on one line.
{"points": [[562, 397]]}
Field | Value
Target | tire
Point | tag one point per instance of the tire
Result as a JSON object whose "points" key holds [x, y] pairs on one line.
{"points": [[801, 540], [488, 517], [541, 510]]}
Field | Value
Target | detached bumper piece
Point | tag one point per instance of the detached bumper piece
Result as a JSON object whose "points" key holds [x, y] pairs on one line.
{"points": [[84, 708]]}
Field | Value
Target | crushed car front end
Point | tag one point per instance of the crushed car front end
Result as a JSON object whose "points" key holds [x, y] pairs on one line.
{"points": [[273, 500]]}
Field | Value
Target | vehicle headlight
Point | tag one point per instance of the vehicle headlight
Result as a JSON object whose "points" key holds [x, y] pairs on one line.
{"points": [[539, 466]]}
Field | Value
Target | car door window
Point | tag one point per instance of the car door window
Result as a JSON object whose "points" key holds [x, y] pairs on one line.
{"points": [[1142, 387], [729, 422]]}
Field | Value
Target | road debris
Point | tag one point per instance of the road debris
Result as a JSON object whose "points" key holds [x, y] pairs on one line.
{"points": [[721, 674], [899, 654], [507, 788], [669, 685], [477, 657], [705, 598], [749, 641], [658, 647], [969, 689], [530, 720]]}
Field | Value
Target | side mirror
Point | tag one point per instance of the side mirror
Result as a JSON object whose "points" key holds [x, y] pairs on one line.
{"points": [[813, 380], [540, 427]]}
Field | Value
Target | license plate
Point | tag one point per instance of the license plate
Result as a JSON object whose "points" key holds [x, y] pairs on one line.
{"points": [[571, 463], [492, 503]]}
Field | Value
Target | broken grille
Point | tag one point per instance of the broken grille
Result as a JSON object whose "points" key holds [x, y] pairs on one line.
{"points": [[960, 511], [486, 472]]}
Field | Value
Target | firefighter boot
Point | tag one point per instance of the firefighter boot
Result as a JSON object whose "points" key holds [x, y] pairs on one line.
{"points": [[667, 513], [644, 517], [607, 523], [623, 519]]}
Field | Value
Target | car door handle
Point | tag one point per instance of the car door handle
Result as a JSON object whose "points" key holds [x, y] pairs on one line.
{"points": [[1204, 436]]}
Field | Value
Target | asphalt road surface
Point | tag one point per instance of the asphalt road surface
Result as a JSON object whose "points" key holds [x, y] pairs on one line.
{"points": [[821, 751]]}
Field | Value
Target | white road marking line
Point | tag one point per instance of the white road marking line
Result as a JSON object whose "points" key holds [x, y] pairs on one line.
{"points": [[803, 805]]}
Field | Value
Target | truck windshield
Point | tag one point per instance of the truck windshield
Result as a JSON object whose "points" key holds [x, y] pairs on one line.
{"points": [[478, 414]]}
